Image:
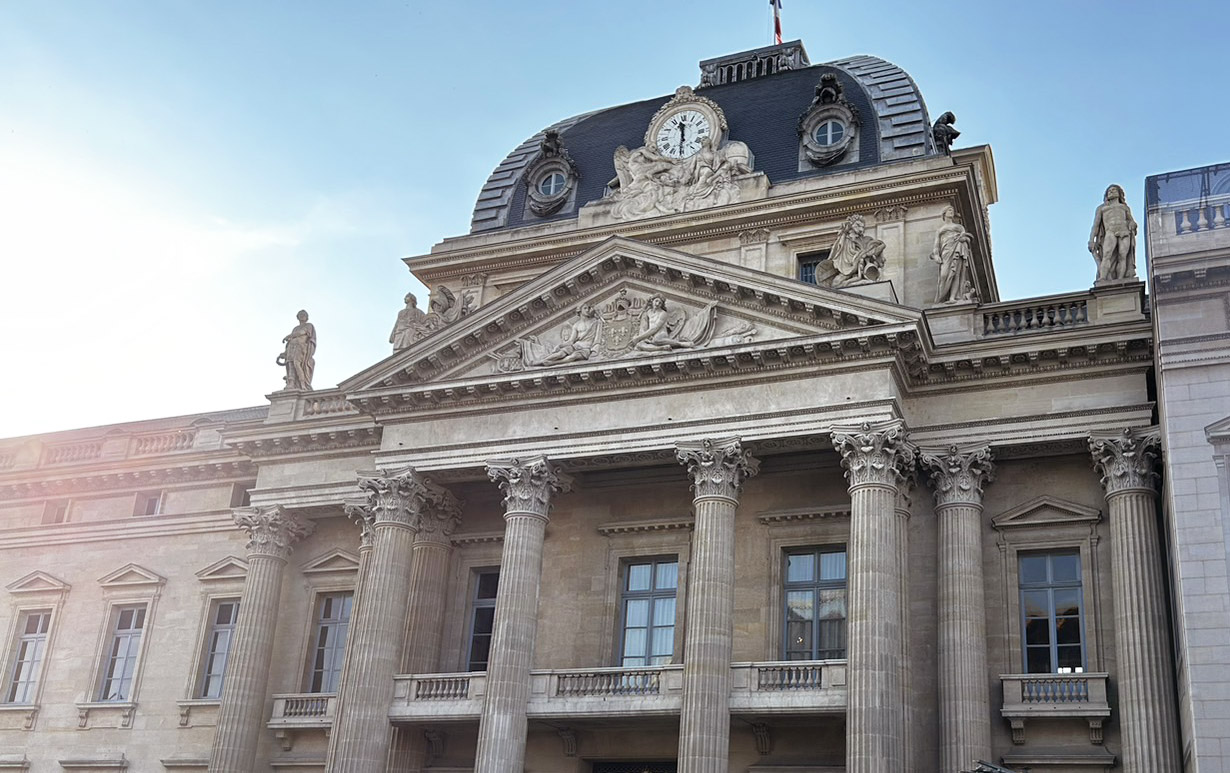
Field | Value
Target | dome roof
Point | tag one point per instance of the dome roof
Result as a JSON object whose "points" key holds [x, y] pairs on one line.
{"points": [[762, 111]]}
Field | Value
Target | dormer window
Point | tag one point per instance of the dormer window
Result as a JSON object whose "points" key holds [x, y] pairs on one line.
{"points": [[829, 133], [551, 180], [552, 184]]}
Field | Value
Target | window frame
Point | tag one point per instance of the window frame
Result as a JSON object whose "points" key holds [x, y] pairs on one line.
{"points": [[313, 637], [814, 585], [111, 633], [810, 259], [200, 676], [652, 595], [1051, 586], [472, 606], [637, 541], [141, 500], [11, 655]]}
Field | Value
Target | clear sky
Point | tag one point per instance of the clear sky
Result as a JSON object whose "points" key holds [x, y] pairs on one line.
{"points": [[178, 178]]}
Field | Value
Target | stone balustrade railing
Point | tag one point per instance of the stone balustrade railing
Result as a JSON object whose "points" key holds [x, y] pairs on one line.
{"points": [[1020, 318], [1200, 216], [1033, 696], [324, 405], [619, 681], [163, 443], [73, 452], [303, 710], [442, 687]]}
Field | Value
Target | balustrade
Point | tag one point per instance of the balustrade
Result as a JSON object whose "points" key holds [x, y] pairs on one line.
{"points": [[163, 443], [1034, 316], [303, 710]]}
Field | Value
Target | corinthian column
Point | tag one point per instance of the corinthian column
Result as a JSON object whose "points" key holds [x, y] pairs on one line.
{"points": [[395, 508], [875, 456], [528, 487], [718, 469], [1147, 717], [272, 532], [958, 474], [428, 587]]}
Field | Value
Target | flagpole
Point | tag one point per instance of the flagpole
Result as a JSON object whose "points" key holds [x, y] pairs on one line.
{"points": [[777, 21]]}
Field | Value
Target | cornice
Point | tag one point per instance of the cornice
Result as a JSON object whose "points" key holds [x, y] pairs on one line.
{"points": [[293, 439], [119, 530], [111, 480], [802, 515], [642, 527]]}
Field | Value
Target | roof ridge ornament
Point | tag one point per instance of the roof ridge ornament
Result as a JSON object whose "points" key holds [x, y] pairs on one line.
{"points": [[756, 63]]}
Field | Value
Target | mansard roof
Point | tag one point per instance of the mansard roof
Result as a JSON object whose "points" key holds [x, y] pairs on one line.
{"points": [[762, 112]]}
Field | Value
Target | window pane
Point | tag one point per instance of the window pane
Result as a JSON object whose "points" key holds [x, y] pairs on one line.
{"points": [[1037, 660], [798, 639], [1033, 570], [663, 645], [832, 604], [667, 576], [1066, 568], [800, 567], [1070, 657], [1036, 603], [832, 639], [664, 612], [638, 576], [637, 613], [484, 620], [488, 585], [833, 566], [1038, 631], [1067, 601], [480, 646], [634, 642], [800, 605], [1068, 630]]}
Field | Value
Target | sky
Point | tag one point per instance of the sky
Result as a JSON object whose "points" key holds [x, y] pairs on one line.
{"points": [[178, 179]]}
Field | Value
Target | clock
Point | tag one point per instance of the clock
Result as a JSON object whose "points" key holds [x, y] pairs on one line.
{"points": [[683, 133]]}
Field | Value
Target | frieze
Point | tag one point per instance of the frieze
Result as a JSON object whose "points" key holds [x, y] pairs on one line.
{"points": [[213, 471], [307, 442]]}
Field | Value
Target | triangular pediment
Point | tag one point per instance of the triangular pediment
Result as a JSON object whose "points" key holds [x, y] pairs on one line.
{"points": [[1219, 431], [131, 576], [38, 582], [229, 568], [1047, 511], [623, 303], [332, 562]]}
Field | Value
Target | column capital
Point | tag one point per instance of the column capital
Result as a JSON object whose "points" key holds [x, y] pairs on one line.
{"points": [[397, 497], [441, 511], [528, 484], [272, 531], [718, 467], [874, 454], [958, 473], [1127, 459], [358, 512]]}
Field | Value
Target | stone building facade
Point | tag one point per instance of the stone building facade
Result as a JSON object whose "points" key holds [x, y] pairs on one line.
{"points": [[714, 449]]}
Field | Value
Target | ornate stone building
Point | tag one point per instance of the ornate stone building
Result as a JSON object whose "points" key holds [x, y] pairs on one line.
{"points": [[714, 449]]}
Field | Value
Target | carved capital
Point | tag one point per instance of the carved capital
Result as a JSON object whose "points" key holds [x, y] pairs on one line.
{"points": [[718, 467], [441, 510], [529, 484], [958, 474], [754, 236], [271, 530], [1127, 460], [364, 519], [874, 454], [397, 497]]}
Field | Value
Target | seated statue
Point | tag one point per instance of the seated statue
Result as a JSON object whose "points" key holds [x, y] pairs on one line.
{"points": [[855, 257]]}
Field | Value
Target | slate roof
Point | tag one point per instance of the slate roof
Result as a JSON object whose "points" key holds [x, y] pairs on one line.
{"points": [[763, 112]]}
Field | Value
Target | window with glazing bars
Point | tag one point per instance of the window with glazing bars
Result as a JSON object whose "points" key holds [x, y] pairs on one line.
{"points": [[482, 617], [120, 660], [1052, 611], [647, 612], [807, 265], [222, 616], [815, 608], [329, 643], [28, 652]]}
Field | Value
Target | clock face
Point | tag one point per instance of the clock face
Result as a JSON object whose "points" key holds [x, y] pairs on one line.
{"points": [[683, 134]]}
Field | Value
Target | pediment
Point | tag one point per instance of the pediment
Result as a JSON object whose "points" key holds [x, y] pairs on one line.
{"points": [[38, 582], [623, 303], [1218, 432], [131, 576], [334, 561], [1047, 511], [229, 568]]}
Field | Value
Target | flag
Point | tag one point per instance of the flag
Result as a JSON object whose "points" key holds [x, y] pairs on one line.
{"points": [[777, 20]]}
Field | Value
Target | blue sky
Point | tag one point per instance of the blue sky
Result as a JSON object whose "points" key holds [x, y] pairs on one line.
{"points": [[177, 178]]}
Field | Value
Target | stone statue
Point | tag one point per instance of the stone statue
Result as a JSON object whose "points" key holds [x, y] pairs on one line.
{"points": [[577, 341], [551, 145], [662, 329], [648, 184], [828, 90], [1113, 238], [299, 356], [952, 252], [411, 324], [855, 257], [447, 308], [945, 133]]}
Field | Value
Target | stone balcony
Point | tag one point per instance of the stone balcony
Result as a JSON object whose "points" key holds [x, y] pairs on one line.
{"points": [[1052, 696], [803, 687], [303, 711]]}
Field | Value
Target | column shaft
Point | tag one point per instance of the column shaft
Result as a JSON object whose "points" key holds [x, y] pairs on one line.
{"points": [[501, 734], [704, 723]]}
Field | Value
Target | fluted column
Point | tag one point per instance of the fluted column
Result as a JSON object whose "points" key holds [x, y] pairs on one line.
{"points": [[958, 474], [528, 487], [395, 508], [875, 456], [1147, 717], [272, 532], [428, 586], [905, 491], [718, 469]]}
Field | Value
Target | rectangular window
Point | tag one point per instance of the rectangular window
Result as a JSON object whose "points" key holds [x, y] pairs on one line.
{"points": [[31, 646], [222, 616], [808, 263], [482, 617], [148, 503], [815, 604], [55, 511], [647, 612], [241, 493], [120, 659], [332, 623], [1052, 611]]}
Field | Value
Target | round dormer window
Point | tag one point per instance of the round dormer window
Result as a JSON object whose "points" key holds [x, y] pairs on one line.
{"points": [[829, 133], [552, 184]]}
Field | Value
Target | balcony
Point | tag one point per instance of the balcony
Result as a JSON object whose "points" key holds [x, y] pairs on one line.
{"points": [[303, 711], [1050, 696], [804, 687]]}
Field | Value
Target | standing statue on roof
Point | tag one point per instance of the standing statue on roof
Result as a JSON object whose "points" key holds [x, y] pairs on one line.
{"points": [[411, 325], [299, 356], [945, 133], [952, 252], [1113, 238]]}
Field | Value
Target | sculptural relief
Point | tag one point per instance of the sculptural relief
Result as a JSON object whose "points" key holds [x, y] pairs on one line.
{"points": [[627, 326], [952, 252], [411, 325], [855, 257], [299, 356], [649, 184], [445, 306], [1113, 238]]}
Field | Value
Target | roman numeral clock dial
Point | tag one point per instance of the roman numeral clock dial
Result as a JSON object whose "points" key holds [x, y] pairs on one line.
{"points": [[683, 134]]}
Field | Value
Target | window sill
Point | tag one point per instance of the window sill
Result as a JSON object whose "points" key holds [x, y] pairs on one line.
{"points": [[18, 716], [207, 706], [115, 714]]}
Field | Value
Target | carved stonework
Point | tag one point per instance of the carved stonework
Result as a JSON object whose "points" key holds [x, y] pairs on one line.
{"points": [[411, 325], [754, 236], [874, 453], [952, 252], [406, 498], [364, 519], [272, 531], [630, 325], [892, 213], [551, 178], [854, 258], [958, 474], [299, 354], [528, 485], [945, 133], [1127, 460], [718, 467], [829, 128], [1112, 242]]}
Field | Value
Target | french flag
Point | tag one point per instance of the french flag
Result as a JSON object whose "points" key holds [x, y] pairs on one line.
{"points": [[777, 20]]}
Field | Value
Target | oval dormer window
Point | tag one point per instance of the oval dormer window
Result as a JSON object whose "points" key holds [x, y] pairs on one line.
{"points": [[830, 133], [552, 184]]}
